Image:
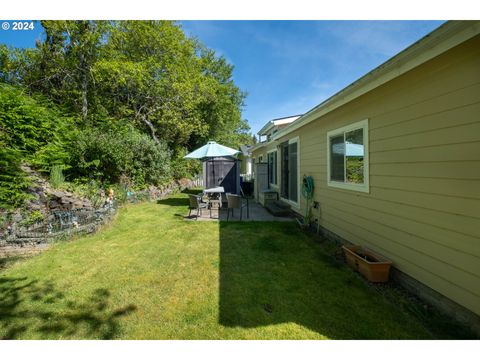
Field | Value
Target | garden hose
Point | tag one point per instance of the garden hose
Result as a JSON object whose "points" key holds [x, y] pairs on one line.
{"points": [[307, 193], [307, 187]]}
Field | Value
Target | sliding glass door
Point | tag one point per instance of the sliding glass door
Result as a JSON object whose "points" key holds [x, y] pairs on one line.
{"points": [[289, 169]]}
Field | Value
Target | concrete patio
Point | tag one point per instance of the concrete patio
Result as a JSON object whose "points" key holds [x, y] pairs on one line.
{"points": [[256, 213]]}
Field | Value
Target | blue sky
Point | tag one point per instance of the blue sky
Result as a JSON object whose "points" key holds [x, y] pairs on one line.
{"points": [[288, 67]]}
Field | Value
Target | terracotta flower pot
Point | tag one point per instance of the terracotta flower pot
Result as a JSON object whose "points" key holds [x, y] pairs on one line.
{"points": [[374, 267]]}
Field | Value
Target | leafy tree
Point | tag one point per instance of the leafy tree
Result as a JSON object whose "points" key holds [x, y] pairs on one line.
{"points": [[60, 66], [112, 100], [149, 72]]}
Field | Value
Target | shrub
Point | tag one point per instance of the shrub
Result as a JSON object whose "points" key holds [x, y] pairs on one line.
{"points": [[13, 181], [35, 127], [29, 122], [114, 153]]}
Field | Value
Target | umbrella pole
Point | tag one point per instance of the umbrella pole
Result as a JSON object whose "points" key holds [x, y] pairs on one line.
{"points": [[214, 176]]}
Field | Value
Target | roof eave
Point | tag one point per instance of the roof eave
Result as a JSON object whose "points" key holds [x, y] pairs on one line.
{"points": [[433, 44], [268, 126]]}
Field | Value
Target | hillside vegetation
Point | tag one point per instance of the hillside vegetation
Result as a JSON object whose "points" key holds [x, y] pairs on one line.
{"points": [[112, 102]]}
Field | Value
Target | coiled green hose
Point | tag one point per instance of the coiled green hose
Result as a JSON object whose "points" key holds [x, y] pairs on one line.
{"points": [[307, 187], [307, 193]]}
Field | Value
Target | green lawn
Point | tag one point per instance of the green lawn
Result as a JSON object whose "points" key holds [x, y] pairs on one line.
{"points": [[152, 275]]}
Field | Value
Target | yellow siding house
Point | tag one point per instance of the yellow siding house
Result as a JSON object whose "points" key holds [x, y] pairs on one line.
{"points": [[395, 159]]}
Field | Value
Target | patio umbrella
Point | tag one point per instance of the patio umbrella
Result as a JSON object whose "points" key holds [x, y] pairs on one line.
{"points": [[211, 150]]}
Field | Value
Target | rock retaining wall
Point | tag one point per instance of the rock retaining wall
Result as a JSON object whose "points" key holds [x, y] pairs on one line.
{"points": [[65, 215]]}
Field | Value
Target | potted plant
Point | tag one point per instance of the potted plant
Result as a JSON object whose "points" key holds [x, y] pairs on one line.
{"points": [[373, 266]]}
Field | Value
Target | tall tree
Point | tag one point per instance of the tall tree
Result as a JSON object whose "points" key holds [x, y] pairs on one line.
{"points": [[147, 72], [60, 67]]}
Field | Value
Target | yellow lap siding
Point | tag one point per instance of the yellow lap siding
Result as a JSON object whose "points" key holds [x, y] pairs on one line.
{"points": [[437, 243], [469, 189], [423, 209], [463, 225], [448, 152], [437, 103], [431, 122], [469, 169], [455, 134]]}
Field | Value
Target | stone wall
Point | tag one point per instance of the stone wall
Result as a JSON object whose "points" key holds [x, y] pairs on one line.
{"points": [[46, 199], [64, 214]]}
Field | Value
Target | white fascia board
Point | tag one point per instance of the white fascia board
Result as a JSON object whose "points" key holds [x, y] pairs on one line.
{"points": [[267, 127]]}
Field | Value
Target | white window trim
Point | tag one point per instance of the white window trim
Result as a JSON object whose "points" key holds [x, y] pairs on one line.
{"points": [[365, 187], [276, 168], [295, 204]]}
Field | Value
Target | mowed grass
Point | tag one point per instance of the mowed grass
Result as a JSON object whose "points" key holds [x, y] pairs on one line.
{"points": [[152, 275]]}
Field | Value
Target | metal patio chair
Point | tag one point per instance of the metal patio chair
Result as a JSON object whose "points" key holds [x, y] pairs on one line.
{"points": [[196, 203], [235, 202]]}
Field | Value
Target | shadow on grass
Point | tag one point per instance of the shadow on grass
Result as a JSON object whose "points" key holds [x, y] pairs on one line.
{"points": [[192, 191], [179, 200], [32, 308], [270, 273], [174, 201], [6, 262]]}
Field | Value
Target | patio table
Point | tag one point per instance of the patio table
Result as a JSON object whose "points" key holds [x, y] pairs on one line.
{"points": [[217, 192]]}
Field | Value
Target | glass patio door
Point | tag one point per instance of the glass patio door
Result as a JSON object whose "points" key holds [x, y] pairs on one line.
{"points": [[289, 169]]}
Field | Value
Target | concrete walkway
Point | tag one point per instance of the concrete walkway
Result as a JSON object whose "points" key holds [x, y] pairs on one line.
{"points": [[256, 213]]}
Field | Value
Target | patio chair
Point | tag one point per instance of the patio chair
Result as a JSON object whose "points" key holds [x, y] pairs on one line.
{"points": [[196, 203], [235, 202]]}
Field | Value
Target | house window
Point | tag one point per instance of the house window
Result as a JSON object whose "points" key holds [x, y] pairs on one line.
{"points": [[272, 167], [348, 157]]}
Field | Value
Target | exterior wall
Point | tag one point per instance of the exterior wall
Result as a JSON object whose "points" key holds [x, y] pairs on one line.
{"points": [[248, 165], [423, 208], [263, 151], [245, 164]]}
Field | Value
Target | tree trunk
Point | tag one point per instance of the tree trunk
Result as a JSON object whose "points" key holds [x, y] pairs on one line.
{"points": [[151, 127], [84, 88]]}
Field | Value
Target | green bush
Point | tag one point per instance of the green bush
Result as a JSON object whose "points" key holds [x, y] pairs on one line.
{"points": [[34, 126], [29, 122], [13, 181], [113, 154]]}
